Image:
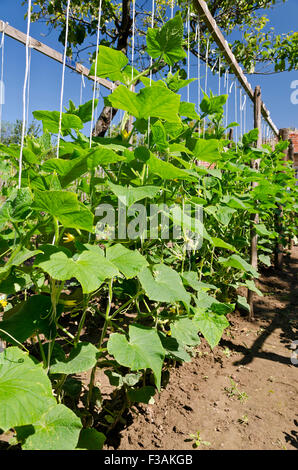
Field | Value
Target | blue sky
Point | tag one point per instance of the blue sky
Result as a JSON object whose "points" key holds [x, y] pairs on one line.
{"points": [[45, 82]]}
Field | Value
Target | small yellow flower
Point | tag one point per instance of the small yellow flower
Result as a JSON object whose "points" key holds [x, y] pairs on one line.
{"points": [[68, 238], [3, 303], [125, 134]]}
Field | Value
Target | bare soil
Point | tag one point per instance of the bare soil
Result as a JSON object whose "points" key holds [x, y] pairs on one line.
{"points": [[241, 396]]}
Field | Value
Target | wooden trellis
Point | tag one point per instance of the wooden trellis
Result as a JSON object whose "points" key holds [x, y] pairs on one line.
{"points": [[52, 53]]}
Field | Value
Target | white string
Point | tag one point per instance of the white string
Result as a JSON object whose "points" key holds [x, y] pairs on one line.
{"points": [[236, 112], [97, 98], [25, 95], [219, 81], [240, 106], [214, 65], [63, 76], [172, 16], [152, 26], [28, 89], [96, 62], [227, 92], [83, 85], [133, 38], [245, 109], [151, 62], [206, 78], [111, 118], [2, 78], [206, 58], [188, 51], [198, 32]]}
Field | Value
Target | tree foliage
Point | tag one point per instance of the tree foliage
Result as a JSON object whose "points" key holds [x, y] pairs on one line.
{"points": [[256, 45]]}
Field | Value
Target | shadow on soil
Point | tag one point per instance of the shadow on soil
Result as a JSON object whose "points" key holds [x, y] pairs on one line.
{"points": [[283, 318]]}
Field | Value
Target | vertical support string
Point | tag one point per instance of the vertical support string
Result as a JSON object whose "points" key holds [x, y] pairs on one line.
{"points": [[188, 51], [206, 79], [96, 62], [243, 112], [152, 26], [151, 62], [25, 95], [206, 69], [63, 76], [81, 90], [28, 88], [240, 111], [172, 16], [198, 32], [219, 78], [227, 93], [2, 92], [133, 38], [236, 111]]}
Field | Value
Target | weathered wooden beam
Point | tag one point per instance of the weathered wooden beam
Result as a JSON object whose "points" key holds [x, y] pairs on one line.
{"points": [[52, 53], [205, 15], [254, 219]]}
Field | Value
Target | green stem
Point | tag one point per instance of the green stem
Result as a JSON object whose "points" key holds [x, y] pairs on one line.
{"points": [[44, 359], [82, 321], [103, 333]]}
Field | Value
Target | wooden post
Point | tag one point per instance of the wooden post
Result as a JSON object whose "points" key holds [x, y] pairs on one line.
{"points": [[230, 137], [255, 217], [279, 248], [291, 158]]}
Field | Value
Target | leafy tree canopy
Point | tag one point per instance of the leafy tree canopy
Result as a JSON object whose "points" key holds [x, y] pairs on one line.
{"points": [[256, 45]]}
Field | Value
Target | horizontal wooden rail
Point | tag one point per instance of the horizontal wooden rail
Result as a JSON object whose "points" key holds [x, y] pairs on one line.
{"points": [[49, 52], [203, 10]]}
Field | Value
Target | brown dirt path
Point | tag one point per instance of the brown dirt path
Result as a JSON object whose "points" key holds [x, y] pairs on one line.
{"points": [[243, 395]]}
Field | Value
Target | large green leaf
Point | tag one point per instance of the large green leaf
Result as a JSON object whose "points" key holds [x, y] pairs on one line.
{"points": [[27, 318], [153, 101], [235, 261], [188, 110], [129, 195], [207, 150], [58, 429], [90, 439], [143, 350], [129, 262], [167, 41], [84, 111], [65, 206], [211, 326], [213, 104], [17, 206], [50, 121], [161, 283], [219, 243], [110, 63], [159, 136], [81, 358], [165, 170], [90, 268], [174, 349], [185, 330], [25, 389], [102, 155], [68, 170]]}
